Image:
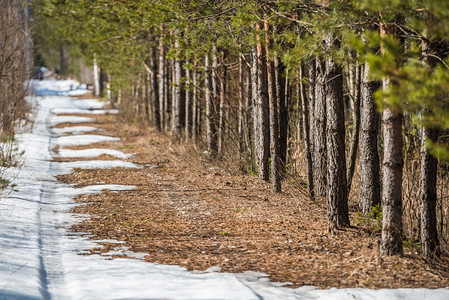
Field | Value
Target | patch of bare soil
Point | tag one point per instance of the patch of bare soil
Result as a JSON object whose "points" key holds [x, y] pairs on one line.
{"points": [[187, 212]]}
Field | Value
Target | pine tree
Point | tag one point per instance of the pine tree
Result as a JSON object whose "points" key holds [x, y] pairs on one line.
{"points": [[369, 190]]}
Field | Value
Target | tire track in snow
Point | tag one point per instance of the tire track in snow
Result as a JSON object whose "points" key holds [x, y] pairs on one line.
{"points": [[51, 274]]}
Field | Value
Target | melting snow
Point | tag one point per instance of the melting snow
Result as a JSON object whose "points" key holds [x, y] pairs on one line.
{"points": [[92, 153], [55, 120], [84, 111], [74, 130], [67, 167], [80, 140]]}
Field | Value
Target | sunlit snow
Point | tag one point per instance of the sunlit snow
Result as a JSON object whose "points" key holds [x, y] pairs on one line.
{"points": [[92, 153], [74, 130], [80, 140], [83, 111], [55, 120]]}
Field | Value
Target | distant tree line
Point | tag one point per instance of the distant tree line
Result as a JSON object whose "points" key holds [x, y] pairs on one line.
{"points": [[356, 92]]}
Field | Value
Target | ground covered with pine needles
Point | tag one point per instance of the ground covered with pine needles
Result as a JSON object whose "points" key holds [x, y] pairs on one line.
{"points": [[188, 211]]}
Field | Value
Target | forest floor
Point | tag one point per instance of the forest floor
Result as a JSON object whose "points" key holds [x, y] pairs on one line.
{"points": [[188, 211]]}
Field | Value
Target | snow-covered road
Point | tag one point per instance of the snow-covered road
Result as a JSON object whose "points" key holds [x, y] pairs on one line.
{"points": [[40, 258]]}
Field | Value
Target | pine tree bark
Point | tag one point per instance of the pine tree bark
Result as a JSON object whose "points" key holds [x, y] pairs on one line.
{"points": [[215, 96], [188, 105], [221, 104], [392, 183], [96, 77], [168, 94], [300, 114], [161, 90], [211, 130], [283, 113], [428, 195], [241, 110], [428, 178], [319, 134], [247, 115], [196, 107], [306, 127], [154, 92], [146, 92], [173, 95], [262, 98], [335, 141], [369, 190], [178, 99], [102, 79], [255, 101], [391, 243], [312, 73], [354, 145], [274, 117]]}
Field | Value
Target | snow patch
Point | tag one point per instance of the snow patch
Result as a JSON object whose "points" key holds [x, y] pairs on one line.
{"points": [[89, 104], [52, 87], [84, 111], [67, 191], [56, 120], [92, 153], [74, 130], [82, 140], [68, 167]]}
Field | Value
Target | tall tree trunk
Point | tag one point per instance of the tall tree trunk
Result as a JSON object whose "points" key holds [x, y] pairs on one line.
{"points": [[241, 110], [210, 110], [247, 116], [256, 103], [178, 99], [369, 189], [392, 182], [102, 79], [428, 195], [392, 174], [262, 97], [274, 117], [319, 134], [167, 96], [283, 113], [428, 178], [215, 97], [146, 93], [306, 126], [161, 90], [173, 87], [195, 108], [335, 140], [355, 124], [154, 92], [134, 100], [168, 93], [63, 61], [188, 105], [171, 90], [96, 78], [221, 104]]}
